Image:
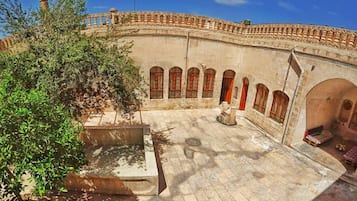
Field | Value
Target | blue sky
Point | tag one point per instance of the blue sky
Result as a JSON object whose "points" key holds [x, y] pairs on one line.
{"points": [[336, 13]]}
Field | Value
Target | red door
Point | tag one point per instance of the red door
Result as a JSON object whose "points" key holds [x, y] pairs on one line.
{"points": [[227, 86], [244, 94]]}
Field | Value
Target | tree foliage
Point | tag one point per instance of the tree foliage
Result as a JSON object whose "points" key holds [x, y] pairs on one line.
{"points": [[55, 74], [37, 137], [85, 72]]}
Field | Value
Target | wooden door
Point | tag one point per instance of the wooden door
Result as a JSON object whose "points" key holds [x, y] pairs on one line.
{"points": [[227, 86], [243, 97]]}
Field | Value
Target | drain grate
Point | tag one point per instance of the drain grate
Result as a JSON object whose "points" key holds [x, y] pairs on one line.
{"points": [[193, 141]]}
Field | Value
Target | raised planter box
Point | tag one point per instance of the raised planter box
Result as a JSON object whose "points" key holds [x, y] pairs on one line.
{"points": [[121, 161]]}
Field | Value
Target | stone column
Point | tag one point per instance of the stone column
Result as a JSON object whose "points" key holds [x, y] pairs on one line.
{"points": [[112, 14]]}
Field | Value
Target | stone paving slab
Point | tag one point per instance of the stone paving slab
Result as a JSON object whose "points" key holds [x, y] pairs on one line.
{"points": [[232, 163]]}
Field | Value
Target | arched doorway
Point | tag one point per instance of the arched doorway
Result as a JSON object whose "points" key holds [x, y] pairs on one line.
{"points": [[243, 97], [329, 101], [330, 105], [227, 86]]}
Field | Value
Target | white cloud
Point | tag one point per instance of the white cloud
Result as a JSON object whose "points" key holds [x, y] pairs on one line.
{"points": [[231, 2], [287, 6]]}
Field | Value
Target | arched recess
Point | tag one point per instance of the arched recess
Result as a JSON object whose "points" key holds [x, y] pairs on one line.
{"points": [[227, 86], [345, 110], [156, 82], [324, 101], [244, 94]]}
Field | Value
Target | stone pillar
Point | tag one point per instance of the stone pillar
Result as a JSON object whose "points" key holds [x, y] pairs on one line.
{"points": [[44, 4], [112, 13]]}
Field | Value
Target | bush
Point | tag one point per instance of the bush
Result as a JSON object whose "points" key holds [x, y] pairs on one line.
{"points": [[37, 137]]}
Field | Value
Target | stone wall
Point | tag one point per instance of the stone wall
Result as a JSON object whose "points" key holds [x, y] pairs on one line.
{"points": [[259, 53]]}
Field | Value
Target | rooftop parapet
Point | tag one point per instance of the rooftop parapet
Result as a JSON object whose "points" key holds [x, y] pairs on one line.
{"points": [[164, 19], [322, 35]]}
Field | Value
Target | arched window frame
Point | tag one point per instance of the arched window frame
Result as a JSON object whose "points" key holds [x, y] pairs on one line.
{"points": [[156, 82], [208, 83], [193, 77], [175, 81], [279, 106], [261, 98]]}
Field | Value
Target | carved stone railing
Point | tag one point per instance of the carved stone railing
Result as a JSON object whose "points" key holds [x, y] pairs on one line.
{"points": [[5, 43], [162, 19], [329, 36], [322, 35]]}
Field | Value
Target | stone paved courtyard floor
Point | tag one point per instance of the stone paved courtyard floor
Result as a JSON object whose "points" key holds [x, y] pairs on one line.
{"points": [[208, 161], [204, 160]]}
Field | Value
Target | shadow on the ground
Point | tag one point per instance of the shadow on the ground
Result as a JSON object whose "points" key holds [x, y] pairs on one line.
{"points": [[83, 196], [160, 139], [330, 148], [338, 191], [344, 188]]}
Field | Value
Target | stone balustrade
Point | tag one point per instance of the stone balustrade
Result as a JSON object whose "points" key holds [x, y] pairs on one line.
{"points": [[5, 43], [323, 35], [162, 18]]}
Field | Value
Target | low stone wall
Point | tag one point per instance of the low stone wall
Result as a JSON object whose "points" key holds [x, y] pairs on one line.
{"points": [[132, 182], [113, 135]]}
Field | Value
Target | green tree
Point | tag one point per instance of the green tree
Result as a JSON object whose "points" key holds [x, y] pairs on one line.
{"points": [[55, 74], [37, 137], [85, 72]]}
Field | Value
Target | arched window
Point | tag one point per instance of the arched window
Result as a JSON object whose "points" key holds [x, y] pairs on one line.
{"points": [[261, 98], [279, 106], [192, 82], [175, 75], [208, 83], [345, 110], [156, 82]]}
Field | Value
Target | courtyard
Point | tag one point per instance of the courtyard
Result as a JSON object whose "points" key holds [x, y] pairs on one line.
{"points": [[204, 160]]}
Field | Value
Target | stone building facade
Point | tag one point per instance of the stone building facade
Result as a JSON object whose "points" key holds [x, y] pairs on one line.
{"points": [[286, 78]]}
